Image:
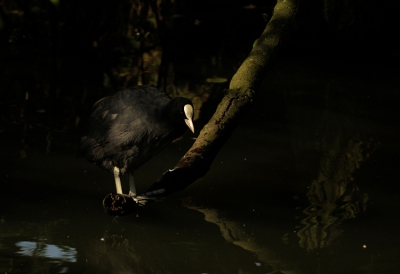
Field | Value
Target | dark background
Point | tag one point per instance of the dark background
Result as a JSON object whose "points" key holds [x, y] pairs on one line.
{"points": [[307, 183], [58, 58]]}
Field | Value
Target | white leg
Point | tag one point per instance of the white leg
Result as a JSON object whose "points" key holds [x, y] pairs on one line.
{"points": [[117, 180], [132, 188]]}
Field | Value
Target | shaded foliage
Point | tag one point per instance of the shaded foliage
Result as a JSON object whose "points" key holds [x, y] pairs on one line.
{"points": [[59, 57]]}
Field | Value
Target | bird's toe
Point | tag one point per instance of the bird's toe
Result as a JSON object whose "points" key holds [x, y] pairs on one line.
{"points": [[153, 196], [142, 200]]}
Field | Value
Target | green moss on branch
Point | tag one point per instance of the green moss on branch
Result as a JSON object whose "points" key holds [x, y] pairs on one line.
{"points": [[237, 100]]}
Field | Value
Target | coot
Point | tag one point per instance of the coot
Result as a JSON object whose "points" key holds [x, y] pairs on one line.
{"points": [[128, 128]]}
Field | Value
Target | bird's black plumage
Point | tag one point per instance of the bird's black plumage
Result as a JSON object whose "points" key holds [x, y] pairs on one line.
{"points": [[128, 128]]}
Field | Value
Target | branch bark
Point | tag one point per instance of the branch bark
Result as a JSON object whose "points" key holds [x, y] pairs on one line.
{"points": [[237, 100]]}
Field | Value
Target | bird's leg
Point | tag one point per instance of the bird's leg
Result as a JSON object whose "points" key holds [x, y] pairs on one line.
{"points": [[132, 188], [117, 180]]}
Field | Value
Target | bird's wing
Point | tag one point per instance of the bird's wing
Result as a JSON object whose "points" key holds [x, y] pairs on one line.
{"points": [[122, 121], [92, 142]]}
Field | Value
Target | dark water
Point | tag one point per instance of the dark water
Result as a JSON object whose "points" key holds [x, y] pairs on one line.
{"points": [[307, 184]]}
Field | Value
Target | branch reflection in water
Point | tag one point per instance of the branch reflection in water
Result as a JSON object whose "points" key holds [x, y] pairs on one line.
{"points": [[334, 196]]}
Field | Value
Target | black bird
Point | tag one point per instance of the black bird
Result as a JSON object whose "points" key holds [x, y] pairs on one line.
{"points": [[128, 128]]}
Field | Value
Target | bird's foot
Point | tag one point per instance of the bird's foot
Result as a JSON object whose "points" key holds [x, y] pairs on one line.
{"points": [[142, 200], [153, 196]]}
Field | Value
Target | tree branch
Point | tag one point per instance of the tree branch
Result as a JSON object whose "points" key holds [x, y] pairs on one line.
{"points": [[237, 100]]}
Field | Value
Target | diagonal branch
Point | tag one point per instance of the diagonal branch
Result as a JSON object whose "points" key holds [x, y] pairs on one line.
{"points": [[237, 100]]}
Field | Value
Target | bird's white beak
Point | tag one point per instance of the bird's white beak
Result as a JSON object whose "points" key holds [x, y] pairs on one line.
{"points": [[188, 109]]}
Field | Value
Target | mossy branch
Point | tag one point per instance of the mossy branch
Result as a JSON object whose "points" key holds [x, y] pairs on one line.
{"points": [[197, 161]]}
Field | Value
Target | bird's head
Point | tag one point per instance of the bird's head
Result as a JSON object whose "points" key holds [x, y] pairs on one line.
{"points": [[182, 111], [189, 113]]}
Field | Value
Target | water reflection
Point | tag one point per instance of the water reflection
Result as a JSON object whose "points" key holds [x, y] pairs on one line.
{"points": [[235, 233], [334, 196], [40, 249], [35, 247]]}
